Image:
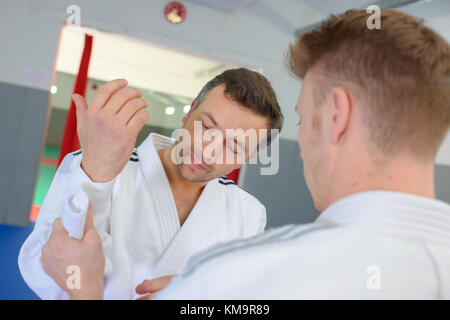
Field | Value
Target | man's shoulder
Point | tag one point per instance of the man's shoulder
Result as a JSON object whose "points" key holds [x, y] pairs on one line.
{"points": [[240, 250], [235, 192], [320, 260], [312, 243], [253, 259], [299, 261]]}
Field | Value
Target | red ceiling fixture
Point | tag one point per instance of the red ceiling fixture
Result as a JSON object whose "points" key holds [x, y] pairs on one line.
{"points": [[175, 12]]}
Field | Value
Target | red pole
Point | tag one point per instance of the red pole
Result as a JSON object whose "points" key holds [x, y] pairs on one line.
{"points": [[70, 141]]}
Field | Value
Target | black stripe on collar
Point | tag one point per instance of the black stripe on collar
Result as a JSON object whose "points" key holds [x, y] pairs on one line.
{"points": [[226, 182]]}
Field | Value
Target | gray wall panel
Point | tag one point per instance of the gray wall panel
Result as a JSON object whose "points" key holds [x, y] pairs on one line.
{"points": [[28, 152], [56, 127], [442, 182], [285, 194], [11, 109], [23, 117]]}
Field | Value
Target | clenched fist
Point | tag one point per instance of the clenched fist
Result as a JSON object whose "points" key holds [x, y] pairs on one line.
{"points": [[85, 257], [108, 129]]}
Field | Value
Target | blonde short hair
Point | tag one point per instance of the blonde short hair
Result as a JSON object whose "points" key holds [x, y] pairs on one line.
{"points": [[401, 72]]}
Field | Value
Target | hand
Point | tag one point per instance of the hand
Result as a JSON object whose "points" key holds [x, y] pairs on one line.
{"points": [[153, 287], [77, 266], [108, 128]]}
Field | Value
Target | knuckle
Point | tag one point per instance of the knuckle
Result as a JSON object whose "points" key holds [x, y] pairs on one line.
{"points": [[129, 105], [103, 89], [90, 113], [44, 251], [122, 93], [116, 125], [134, 92], [55, 244], [145, 115], [137, 103], [142, 102]]}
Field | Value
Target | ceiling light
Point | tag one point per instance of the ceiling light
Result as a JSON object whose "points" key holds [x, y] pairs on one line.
{"points": [[54, 89], [170, 110], [186, 108]]}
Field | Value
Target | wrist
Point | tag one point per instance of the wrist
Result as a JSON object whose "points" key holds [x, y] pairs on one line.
{"points": [[95, 175]]}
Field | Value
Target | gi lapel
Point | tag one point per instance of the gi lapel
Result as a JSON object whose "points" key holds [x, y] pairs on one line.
{"points": [[160, 191], [197, 231]]}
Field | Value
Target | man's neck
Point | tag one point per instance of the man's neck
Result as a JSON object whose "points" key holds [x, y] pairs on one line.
{"points": [[401, 175]]}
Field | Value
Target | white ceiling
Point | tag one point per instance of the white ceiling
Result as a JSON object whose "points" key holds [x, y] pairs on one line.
{"points": [[436, 14], [289, 15], [327, 7]]}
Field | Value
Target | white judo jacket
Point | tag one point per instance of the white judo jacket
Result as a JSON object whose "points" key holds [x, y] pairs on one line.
{"points": [[136, 217], [370, 245]]}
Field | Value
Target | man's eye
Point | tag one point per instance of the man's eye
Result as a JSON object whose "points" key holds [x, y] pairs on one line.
{"points": [[205, 126]]}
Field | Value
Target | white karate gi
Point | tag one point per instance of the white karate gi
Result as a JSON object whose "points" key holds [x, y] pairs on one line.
{"points": [[136, 217], [370, 245]]}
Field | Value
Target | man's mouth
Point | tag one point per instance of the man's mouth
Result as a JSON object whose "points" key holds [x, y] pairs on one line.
{"points": [[196, 163]]}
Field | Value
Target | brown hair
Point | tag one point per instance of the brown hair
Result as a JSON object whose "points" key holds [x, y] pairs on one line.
{"points": [[250, 89], [401, 74]]}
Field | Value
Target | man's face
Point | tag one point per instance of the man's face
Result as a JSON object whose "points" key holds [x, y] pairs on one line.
{"points": [[312, 139], [211, 158]]}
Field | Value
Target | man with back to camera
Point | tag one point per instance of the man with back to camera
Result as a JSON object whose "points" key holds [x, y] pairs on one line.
{"points": [[153, 212], [374, 108]]}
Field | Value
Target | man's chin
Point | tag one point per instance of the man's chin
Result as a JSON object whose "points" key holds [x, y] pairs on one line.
{"points": [[191, 174]]}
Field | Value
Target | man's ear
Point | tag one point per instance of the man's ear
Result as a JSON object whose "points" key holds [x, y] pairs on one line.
{"points": [[342, 107], [189, 113]]}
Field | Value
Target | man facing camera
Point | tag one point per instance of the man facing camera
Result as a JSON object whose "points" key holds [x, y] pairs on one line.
{"points": [[157, 205]]}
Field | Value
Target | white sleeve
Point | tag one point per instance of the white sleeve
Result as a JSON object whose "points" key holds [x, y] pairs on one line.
{"points": [[68, 198]]}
